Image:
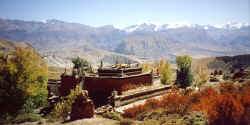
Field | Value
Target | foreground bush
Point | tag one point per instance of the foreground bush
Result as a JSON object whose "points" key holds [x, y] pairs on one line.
{"points": [[228, 105], [173, 103], [63, 108]]}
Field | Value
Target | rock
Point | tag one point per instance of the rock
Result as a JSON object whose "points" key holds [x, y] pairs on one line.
{"points": [[104, 109]]}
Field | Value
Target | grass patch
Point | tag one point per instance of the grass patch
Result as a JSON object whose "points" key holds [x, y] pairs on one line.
{"points": [[113, 115]]}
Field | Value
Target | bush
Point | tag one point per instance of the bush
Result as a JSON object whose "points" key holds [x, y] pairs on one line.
{"points": [[154, 115], [176, 103], [172, 102], [227, 105], [133, 112], [113, 115], [28, 106], [63, 108], [195, 118], [228, 111]]}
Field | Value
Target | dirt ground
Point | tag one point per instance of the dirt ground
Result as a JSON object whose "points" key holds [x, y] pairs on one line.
{"points": [[90, 121]]}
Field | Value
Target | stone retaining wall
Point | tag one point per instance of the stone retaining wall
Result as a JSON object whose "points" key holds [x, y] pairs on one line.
{"points": [[120, 100]]}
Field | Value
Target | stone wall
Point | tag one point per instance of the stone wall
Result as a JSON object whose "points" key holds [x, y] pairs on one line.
{"points": [[120, 100]]}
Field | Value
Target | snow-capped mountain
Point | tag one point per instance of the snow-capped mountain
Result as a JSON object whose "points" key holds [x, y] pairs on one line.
{"points": [[144, 39], [151, 27]]}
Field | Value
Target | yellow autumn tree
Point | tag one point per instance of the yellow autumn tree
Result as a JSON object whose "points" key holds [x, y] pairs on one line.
{"points": [[146, 67], [166, 73], [161, 65], [23, 80], [201, 73]]}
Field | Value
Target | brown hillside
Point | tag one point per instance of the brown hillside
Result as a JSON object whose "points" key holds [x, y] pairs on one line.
{"points": [[226, 63], [6, 45]]}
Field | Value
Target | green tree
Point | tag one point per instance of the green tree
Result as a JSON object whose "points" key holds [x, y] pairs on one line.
{"points": [[80, 64], [166, 73], [23, 80], [184, 74]]}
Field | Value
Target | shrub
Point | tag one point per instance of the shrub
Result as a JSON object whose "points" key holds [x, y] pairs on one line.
{"points": [[228, 111], [113, 115], [173, 102], [195, 118], [28, 106], [176, 103], [226, 107], [63, 108], [246, 104], [152, 103], [133, 112], [154, 115]]}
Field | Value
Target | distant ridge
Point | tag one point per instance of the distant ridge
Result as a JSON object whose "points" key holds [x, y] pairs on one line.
{"points": [[226, 63], [7, 45], [149, 40]]}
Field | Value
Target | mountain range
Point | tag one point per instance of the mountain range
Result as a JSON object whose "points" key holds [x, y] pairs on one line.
{"points": [[59, 41]]}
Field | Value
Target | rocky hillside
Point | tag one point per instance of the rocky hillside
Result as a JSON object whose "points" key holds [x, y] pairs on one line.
{"points": [[226, 63], [63, 57], [6, 45], [61, 40]]}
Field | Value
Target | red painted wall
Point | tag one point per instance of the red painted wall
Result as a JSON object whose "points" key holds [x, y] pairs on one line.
{"points": [[100, 88]]}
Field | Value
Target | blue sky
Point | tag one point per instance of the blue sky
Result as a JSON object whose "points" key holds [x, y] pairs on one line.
{"points": [[127, 12]]}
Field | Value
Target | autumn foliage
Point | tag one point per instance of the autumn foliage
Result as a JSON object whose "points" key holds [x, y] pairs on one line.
{"points": [[23, 81], [227, 105], [172, 103]]}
